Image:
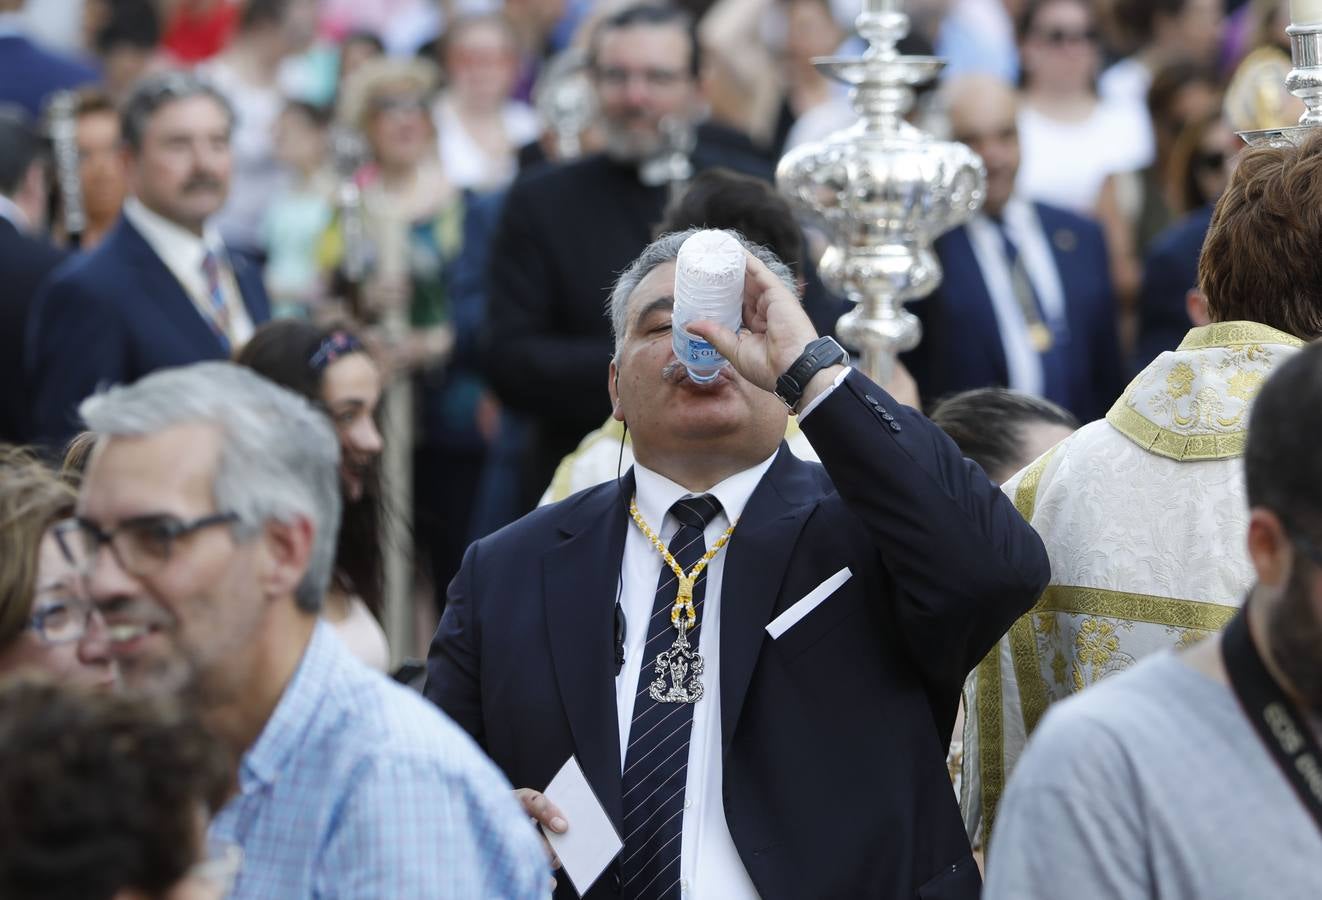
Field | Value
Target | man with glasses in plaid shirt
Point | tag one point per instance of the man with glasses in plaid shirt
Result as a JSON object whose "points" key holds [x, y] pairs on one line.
{"points": [[208, 514]]}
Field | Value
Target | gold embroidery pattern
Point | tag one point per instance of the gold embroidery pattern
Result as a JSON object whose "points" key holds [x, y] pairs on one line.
{"points": [[991, 745], [1170, 444], [1096, 642], [1196, 410], [1234, 334], [1180, 381]]}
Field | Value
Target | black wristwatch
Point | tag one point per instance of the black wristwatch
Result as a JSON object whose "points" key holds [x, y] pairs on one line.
{"points": [[819, 354]]}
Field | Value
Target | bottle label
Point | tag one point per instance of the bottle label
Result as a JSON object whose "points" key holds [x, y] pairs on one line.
{"points": [[702, 352]]}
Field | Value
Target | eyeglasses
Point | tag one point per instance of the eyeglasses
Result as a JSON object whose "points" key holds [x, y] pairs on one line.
{"points": [[1062, 37], [61, 620], [141, 546], [616, 77]]}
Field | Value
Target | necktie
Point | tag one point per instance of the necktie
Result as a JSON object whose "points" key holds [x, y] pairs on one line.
{"points": [[219, 320], [1039, 333], [656, 763]]}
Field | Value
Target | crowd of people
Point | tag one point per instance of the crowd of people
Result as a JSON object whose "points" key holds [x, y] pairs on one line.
{"points": [[327, 327]]}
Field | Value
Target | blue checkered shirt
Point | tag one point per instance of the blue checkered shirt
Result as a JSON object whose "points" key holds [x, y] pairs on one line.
{"points": [[358, 787]]}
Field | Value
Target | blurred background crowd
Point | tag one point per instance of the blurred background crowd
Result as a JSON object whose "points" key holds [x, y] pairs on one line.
{"points": [[453, 184]]}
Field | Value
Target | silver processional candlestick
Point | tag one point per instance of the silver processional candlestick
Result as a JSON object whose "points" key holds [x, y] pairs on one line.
{"points": [[882, 190], [1305, 78]]}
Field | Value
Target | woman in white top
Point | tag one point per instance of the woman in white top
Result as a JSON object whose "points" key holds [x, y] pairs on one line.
{"points": [[480, 129], [332, 369], [1073, 143]]}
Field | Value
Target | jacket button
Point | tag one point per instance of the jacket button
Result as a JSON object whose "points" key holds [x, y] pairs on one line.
{"points": [[616, 883], [870, 399], [887, 417], [895, 427]]}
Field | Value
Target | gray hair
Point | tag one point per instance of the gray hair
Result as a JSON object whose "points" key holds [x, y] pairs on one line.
{"points": [[279, 457], [666, 249], [156, 90]]}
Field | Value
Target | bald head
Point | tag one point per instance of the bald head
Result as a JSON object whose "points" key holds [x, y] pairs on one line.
{"points": [[982, 113]]}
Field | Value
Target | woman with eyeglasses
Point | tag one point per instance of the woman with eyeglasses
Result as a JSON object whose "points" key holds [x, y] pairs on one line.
{"points": [[331, 369], [47, 623]]}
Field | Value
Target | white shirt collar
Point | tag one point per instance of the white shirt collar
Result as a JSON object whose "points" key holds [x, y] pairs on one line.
{"points": [[13, 24], [11, 212], [173, 243], [657, 493]]}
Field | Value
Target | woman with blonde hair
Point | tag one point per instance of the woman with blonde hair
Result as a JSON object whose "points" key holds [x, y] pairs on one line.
{"points": [[47, 623]]}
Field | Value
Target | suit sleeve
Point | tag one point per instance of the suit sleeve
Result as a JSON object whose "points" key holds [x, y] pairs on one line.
{"points": [[76, 344], [964, 563], [454, 657], [532, 367]]}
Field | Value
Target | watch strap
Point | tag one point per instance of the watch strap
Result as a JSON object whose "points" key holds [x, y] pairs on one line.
{"points": [[820, 354]]}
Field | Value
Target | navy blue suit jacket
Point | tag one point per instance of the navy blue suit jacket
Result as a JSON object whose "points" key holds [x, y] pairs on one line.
{"points": [[25, 261], [112, 316], [961, 347], [834, 734], [1169, 272], [30, 74]]}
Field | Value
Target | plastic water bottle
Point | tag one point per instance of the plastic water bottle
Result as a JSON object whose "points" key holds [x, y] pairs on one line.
{"points": [[709, 284]]}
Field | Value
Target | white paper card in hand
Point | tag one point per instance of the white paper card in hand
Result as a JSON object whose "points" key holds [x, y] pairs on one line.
{"points": [[591, 841]]}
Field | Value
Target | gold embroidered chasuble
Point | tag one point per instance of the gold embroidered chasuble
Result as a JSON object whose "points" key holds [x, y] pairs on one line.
{"points": [[1143, 516]]}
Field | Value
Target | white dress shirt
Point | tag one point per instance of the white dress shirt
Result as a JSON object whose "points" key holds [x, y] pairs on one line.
{"points": [[183, 253], [709, 863], [1023, 363]]}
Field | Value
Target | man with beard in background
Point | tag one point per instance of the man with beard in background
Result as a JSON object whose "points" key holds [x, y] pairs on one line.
{"points": [[566, 231], [161, 289]]}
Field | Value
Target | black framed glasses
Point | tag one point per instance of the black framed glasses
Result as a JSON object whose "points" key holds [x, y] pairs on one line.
{"points": [[142, 545]]}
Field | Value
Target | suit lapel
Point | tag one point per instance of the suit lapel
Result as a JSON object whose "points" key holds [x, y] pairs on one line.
{"points": [[251, 290], [162, 290], [968, 290], [759, 553], [582, 579]]}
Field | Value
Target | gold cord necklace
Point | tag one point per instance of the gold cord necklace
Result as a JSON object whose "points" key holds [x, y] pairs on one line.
{"points": [[680, 664]]}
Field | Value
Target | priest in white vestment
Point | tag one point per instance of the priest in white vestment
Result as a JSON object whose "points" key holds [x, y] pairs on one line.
{"points": [[1143, 513]]}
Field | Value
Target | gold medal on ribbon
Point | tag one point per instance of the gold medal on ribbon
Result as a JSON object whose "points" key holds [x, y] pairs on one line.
{"points": [[1039, 335]]}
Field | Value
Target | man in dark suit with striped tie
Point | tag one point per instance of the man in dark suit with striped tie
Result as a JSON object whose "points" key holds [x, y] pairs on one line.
{"points": [[161, 289], [755, 660]]}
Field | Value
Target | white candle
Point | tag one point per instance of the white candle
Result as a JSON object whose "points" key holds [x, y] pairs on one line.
{"points": [[1306, 12]]}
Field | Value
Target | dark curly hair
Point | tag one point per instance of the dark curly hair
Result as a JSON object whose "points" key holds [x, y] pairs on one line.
{"points": [[99, 793]]}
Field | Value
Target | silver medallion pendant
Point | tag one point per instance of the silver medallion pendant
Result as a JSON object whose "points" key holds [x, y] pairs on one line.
{"points": [[678, 672]]}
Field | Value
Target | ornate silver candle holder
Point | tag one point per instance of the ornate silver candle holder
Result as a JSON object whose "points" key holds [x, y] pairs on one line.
{"points": [[1304, 82], [882, 190]]}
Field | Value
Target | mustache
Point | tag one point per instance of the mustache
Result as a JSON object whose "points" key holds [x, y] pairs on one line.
{"points": [[674, 372], [204, 181]]}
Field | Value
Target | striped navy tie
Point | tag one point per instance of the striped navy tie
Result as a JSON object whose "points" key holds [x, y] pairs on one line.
{"points": [[656, 764]]}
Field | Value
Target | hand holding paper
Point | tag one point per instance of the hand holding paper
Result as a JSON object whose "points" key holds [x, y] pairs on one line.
{"points": [[589, 842]]}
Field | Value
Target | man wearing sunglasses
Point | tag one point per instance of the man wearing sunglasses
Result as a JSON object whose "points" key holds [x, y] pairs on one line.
{"points": [[208, 516]]}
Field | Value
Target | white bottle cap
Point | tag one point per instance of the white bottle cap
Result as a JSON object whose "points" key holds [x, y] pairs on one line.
{"points": [[710, 267]]}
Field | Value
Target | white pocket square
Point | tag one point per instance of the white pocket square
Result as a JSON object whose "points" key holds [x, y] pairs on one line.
{"points": [[790, 617]]}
